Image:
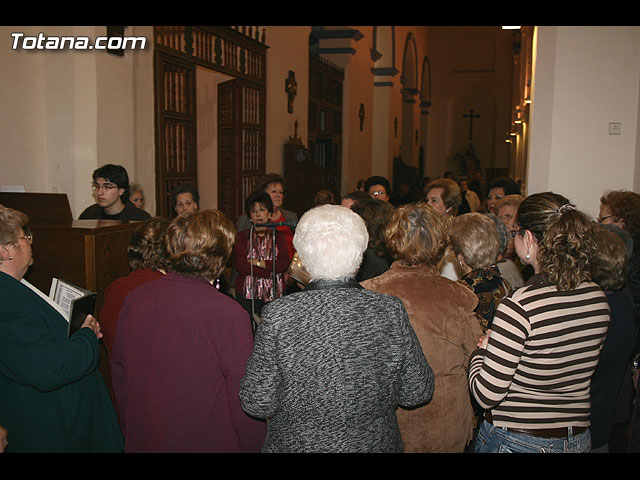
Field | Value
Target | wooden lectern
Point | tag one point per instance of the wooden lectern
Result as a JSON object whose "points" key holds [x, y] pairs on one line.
{"points": [[88, 253]]}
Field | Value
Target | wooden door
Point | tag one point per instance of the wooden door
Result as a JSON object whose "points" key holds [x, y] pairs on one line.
{"points": [[241, 143], [176, 140]]}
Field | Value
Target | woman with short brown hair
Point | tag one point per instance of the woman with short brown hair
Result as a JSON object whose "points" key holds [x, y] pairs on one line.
{"points": [[441, 312], [181, 347]]}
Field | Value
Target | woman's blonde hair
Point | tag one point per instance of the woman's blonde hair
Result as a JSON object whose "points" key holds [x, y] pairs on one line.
{"points": [[565, 238], [11, 222], [416, 234], [199, 244], [475, 237]]}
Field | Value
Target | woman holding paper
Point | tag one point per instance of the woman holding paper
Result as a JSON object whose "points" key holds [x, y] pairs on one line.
{"points": [[52, 397]]}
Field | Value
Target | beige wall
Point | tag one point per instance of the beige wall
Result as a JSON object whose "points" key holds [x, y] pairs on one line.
{"points": [[471, 68], [288, 50], [65, 113]]}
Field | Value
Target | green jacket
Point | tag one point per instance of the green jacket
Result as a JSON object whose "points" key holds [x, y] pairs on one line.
{"points": [[52, 397]]}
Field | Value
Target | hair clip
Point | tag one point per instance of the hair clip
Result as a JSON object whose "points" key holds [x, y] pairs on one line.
{"points": [[567, 207]]}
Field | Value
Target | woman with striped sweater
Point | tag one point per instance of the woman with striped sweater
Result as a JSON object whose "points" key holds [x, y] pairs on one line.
{"points": [[532, 370]]}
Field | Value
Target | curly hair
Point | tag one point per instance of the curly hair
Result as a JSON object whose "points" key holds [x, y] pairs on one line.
{"points": [[11, 222], [626, 206], [199, 244], [451, 195], [565, 238], [475, 237], [416, 234], [261, 198], [147, 245], [376, 215], [330, 240], [609, 265]]}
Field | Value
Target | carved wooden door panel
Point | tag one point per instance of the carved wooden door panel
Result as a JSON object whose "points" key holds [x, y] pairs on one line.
{"points": [[241, 143], [176, 155]]}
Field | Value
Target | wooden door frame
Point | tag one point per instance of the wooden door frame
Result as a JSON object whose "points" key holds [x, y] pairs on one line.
{"points": [[236, 51]]}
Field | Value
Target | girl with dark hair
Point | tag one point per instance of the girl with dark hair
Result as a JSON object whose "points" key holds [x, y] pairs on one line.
{"points": [[532, 371]]}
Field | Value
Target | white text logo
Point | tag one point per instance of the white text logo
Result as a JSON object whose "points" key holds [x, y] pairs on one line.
{"points": [[41, 42]]}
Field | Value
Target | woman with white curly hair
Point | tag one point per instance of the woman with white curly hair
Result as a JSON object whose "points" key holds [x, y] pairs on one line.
{"points": [[332, 363]]}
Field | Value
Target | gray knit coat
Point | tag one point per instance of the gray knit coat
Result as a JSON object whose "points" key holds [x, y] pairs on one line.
{"points": [[329, 367]]}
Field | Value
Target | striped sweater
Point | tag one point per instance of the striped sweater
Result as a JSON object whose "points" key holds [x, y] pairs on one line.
{"points": [[543, 349]]}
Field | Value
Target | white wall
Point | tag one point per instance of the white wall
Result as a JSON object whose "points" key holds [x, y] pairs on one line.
{"points": [[584, 79], [64, 113]]}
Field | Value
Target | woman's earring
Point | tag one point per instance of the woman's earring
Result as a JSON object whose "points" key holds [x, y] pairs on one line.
{"points": [[528, 257]]}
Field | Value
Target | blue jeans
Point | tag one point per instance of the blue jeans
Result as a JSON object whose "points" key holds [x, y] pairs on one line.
{"points": [[492, 439]]}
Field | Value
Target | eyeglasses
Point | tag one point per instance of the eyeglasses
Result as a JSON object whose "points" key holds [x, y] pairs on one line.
{"points": [[602, 219], [378, 193], [104, 186]]}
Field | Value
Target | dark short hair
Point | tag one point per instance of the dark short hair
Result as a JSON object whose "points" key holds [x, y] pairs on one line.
{"points": [[263, 198], [609, 264], [185, 188], [116, 174], [509, 186], [357, 196], [147, 245], [377, 180], [376, 215]]}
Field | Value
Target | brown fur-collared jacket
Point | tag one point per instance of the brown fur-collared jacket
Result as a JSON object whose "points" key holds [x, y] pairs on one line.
{"points": [[441, 313]]}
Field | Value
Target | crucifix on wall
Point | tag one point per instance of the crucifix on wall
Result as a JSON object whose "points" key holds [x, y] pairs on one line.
{"points": [[471, 115], [291, 87]]}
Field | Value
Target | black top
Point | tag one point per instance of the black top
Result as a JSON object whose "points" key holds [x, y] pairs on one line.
{"points": [[129, 212]]}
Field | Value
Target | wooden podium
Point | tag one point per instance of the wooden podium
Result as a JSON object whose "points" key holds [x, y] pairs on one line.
{"points": [[88, 253]]}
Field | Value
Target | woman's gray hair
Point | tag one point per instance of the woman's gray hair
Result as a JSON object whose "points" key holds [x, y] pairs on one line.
{"points": [[330, 240], [502, 230]]}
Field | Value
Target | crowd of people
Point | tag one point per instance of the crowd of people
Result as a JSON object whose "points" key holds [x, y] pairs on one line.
{"points": [[461, 322]]}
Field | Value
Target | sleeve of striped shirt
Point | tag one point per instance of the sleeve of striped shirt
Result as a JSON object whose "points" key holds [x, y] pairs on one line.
{"points": [[491, 370]]}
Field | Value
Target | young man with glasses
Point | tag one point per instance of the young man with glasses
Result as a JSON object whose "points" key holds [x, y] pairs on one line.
{"points": [[111, 187]]}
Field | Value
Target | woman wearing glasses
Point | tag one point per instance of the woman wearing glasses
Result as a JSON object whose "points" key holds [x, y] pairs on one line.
{"points": [[111, 189], [52, 397], [532, 371]]}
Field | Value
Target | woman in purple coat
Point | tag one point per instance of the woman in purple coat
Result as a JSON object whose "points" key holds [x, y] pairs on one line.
{"points": [[180, 350]]}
